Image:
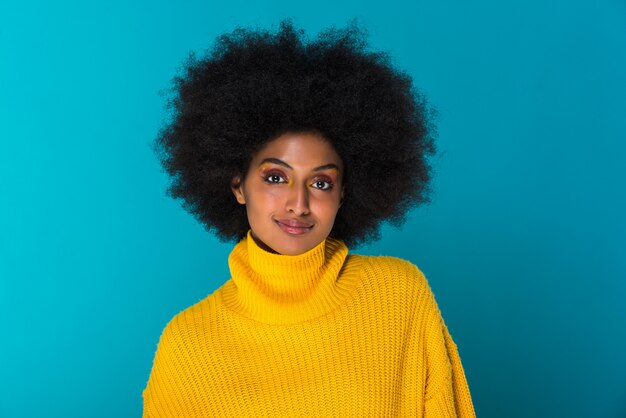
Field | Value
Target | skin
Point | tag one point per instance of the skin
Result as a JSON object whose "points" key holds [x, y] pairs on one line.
{"points": [[292, 192]]}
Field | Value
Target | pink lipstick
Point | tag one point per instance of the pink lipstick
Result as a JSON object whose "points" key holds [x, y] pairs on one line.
{"points": [[293, 226]]}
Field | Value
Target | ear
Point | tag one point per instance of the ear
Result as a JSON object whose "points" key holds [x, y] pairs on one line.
{"points": [[236, 185]]}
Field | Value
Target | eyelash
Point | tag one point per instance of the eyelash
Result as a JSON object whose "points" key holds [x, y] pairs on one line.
{"points": [[282, 180], [267, 177], [328, 182]]}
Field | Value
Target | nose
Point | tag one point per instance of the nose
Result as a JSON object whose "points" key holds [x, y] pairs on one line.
{"points": [[298, 200]]}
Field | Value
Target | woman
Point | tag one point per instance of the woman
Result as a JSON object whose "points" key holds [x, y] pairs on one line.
{"points": [[298, 149]]}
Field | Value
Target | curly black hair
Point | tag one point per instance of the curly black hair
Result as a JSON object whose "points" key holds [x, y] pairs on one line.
{"points": [[255, 85]]}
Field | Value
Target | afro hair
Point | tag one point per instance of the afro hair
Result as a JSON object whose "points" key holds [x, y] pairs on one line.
{"points": [[255, 85]]}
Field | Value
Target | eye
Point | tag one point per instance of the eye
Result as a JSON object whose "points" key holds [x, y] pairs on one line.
{"points": [[274, 178], [322, 184]]}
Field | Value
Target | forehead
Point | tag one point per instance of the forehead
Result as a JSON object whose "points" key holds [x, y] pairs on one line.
{"points": [[299, 150]]}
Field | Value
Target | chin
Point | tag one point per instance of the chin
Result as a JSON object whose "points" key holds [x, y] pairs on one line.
{"points": [[288, 245]]}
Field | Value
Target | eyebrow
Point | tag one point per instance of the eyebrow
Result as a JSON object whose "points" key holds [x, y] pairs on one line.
{"points": [[284, 164]]}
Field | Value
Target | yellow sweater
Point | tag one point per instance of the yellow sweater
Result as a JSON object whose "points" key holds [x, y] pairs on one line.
{"points": [[319, 334]]}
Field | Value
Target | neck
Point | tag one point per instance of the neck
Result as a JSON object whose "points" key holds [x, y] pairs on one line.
{"points": [[274, 288]]}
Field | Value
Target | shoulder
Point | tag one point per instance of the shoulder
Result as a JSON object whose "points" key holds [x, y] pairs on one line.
{"points": [[397, 270], [183, 347], [398, 277], [190, 324]]}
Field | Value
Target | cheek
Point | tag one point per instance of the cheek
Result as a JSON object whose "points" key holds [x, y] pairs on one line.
{"points": [[263, 199], [327, 207]]}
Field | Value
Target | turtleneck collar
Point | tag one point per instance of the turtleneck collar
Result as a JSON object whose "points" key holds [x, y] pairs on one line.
{"points": [[282, 289]]}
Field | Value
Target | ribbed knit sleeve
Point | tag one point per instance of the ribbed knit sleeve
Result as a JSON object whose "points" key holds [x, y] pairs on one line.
{"points": [[176, 380], [158, 395], [165, 393], [447, 392], [433, 382]]}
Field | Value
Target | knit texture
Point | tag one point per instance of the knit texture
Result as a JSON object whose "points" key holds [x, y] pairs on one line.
{"points": [[319, 334]]}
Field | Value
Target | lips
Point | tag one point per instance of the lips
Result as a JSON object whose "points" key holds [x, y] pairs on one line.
{"points": [[293, 226]]}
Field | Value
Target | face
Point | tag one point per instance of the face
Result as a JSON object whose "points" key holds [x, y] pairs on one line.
{"points": [[292, 192]]}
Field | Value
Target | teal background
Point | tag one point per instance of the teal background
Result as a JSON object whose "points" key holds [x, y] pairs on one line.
{"points": [[523, 243]]}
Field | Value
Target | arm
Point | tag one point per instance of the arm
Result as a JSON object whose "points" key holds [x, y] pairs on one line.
{"points": [[447, 392], [162, 395]]}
